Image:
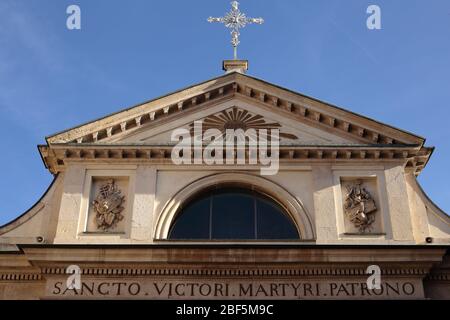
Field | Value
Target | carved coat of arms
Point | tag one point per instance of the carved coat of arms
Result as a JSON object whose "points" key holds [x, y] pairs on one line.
{"points": [[360, 207], [108, 206]]}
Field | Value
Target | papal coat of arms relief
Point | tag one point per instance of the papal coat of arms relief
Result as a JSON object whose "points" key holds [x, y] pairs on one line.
{"points": [[108, 206], [360, 207]]}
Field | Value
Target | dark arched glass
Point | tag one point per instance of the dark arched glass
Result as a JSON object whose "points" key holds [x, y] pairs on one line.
{"points": [[232, 214]]}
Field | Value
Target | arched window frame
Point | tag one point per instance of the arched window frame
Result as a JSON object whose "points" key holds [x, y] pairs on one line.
{"points": [[211, 197], [293, 206]]}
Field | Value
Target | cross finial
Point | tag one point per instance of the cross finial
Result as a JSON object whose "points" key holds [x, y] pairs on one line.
{"points": [[235, 20]]}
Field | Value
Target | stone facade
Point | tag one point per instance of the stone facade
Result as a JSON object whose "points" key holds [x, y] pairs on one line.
{"points": [[347, 182]]}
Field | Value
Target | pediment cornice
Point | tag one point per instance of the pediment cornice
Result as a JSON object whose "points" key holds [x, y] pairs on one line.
{"points": [[304, 109], [413, 157]]}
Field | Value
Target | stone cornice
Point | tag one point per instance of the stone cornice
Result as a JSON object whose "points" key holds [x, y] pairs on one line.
{"points": [[41, 255], [225, 271], [295, 105], [439, 276], [58, 155], [309, 261], [406, 270], [149, 112], [19, 276]]}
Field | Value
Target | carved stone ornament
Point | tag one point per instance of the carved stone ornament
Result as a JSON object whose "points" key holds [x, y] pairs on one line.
{"points": [[360, 207], [108, 206], [235, 119]]}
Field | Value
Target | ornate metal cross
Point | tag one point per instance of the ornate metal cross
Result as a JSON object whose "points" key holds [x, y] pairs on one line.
{"points": [[235, 20]]}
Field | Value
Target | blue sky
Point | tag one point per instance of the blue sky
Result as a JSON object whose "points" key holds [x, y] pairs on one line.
{"points": [[130, 51]]}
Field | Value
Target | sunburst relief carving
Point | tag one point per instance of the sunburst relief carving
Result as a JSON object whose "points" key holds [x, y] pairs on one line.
{"points": [[234, 119]]}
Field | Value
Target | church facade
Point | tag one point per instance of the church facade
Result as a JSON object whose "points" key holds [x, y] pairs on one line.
{"points": [[133, 213]]}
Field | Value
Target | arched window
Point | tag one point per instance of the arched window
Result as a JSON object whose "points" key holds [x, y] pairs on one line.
{"points": [[232, 214]]}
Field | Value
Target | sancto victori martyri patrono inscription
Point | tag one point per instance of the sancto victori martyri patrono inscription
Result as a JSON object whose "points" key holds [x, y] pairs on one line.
{"points": [[228, 289]]}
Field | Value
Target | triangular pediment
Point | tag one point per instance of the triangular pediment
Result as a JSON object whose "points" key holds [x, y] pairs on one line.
{"points": [[309, 128], [309, 120]]}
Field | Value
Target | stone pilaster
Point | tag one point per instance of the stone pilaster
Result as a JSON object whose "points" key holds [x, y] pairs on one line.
{"points": [[399, 209], [70, 203], [143, 206], [324, 205]]}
